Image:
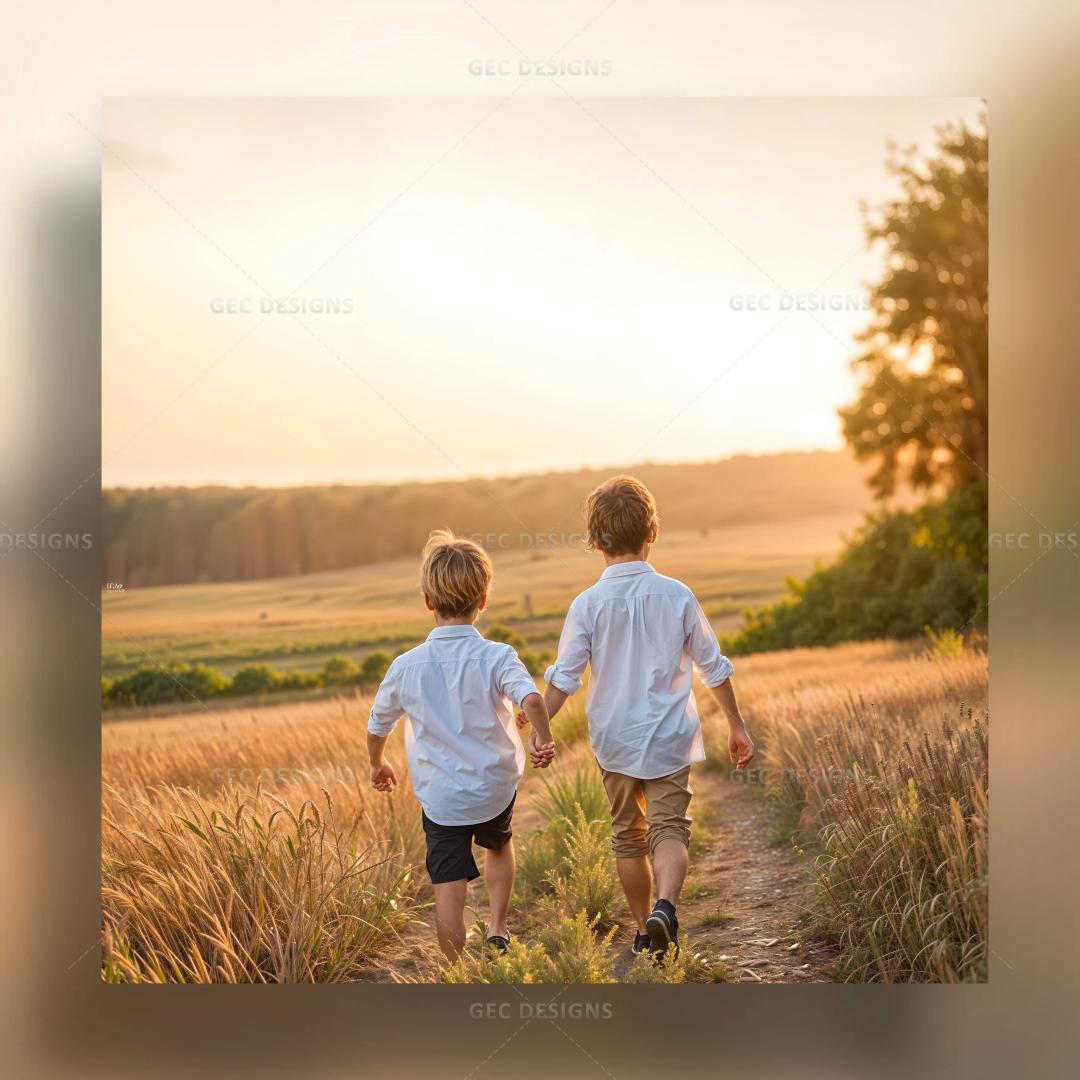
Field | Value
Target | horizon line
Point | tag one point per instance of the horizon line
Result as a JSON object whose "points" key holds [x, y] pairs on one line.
{"points": [[473, 477]]}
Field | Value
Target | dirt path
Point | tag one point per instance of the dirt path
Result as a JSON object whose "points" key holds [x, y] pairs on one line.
{"points": [[744, 904], [748, 891]]}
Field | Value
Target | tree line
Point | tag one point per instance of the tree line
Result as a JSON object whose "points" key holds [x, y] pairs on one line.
{"points": [[169, 536]]}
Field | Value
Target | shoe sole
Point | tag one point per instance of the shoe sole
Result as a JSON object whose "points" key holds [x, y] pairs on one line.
{"points": [[659, 934]]}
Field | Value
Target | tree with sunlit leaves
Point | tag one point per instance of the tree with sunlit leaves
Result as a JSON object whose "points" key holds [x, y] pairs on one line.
{"points": [[921, 417], [922, 412]]}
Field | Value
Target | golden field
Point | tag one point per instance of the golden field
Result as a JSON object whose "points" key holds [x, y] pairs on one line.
{"points": [[300, 622], [246, 846]]}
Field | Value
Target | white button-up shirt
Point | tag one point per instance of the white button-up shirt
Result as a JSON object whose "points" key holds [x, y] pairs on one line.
{"points": [[643, 633], [465, 755]]}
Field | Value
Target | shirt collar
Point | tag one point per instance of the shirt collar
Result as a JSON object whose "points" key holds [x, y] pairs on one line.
{"points": [[625, 569], [463, 630]]}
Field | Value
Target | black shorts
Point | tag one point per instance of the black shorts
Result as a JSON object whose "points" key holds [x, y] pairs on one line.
{"points": [[449, 847]]}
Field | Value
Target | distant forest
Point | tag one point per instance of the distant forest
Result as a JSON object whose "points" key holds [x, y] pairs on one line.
{"points": [[169, 536]]}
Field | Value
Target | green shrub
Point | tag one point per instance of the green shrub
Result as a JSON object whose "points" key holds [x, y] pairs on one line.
{"points": [[300, 680], [167, 683], [579, 952], [583, 788], [373, 669], [339, 670], [686, 967], [904, 571], [946, 643], [536, 663], [539, 856], [257, 679], [498, 632], [586, 880], [569, 855], [521, 963], [568, 951]]}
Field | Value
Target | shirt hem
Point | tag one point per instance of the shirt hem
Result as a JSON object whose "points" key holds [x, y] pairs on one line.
{"points": [[696, 760]]}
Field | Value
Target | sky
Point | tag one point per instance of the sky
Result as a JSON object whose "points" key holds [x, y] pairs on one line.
{"points": [[379, 290]]}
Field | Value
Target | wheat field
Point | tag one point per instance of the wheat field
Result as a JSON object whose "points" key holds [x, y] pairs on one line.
{"points": [[245, 845]]}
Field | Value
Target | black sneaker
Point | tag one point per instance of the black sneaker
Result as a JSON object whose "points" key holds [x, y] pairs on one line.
{"points": [[499, 944], [641, 944], [663, 928]]}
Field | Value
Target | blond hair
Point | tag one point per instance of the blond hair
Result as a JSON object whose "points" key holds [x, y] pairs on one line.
{"points": [[620, 516], [455, 574]]}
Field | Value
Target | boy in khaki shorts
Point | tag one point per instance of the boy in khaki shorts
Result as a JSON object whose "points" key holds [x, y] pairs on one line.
{"points": [[643, 634]]}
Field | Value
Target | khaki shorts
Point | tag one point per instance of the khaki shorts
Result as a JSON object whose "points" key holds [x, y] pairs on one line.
{"points": [[644, 812]]}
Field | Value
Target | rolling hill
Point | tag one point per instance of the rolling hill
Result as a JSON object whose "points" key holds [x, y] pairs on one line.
{"points": [[171, 536]]}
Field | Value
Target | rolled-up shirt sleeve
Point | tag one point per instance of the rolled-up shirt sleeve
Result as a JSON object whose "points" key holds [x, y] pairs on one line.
{"points": [[713, 666], [575, 648], [386, 709], [515, 682]]}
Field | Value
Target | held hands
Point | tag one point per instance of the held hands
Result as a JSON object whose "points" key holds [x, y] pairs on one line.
{"points": [[541, 754], [740, 746], [383, 777]]}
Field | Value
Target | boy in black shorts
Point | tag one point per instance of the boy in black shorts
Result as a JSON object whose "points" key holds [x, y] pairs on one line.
{"points": [[457, 692]]}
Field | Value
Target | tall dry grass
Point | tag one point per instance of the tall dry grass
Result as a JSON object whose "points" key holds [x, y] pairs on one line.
{"points": [[247, 848], [878, 752]]}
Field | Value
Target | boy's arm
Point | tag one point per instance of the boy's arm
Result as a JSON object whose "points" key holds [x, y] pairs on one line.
{"points": [[575, 651], [383, 777], [541, 743], [716, 670], [563, 678], [740, 745], [386, 711], [517, 684], [712, 665], [554, 699]]}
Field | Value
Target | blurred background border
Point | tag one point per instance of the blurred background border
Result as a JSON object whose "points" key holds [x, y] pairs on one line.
{"points": [[59, 63]]}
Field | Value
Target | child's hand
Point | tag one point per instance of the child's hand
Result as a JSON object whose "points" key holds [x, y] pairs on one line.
{"points": [[540, 754], [383, 777], [740, 746], [521, 719]]}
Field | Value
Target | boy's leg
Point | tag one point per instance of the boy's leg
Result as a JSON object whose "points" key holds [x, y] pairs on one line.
{"points": [[451, 867], [667, 800], [450, 916], [628, 828], [495, 836], [636, 880], [499, 882], [670, 863]]}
